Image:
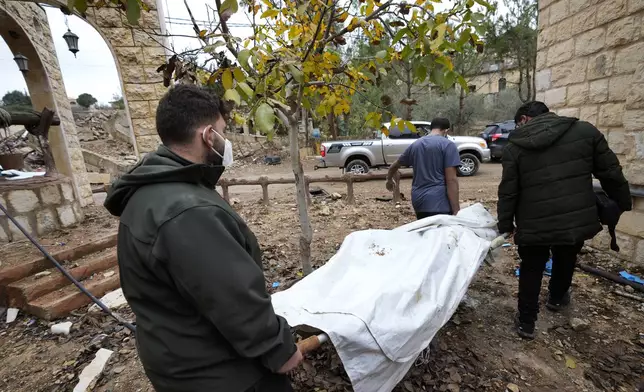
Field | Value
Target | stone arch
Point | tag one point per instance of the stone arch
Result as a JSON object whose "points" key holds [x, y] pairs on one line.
{"points": [[45, 84], [137, 52]]}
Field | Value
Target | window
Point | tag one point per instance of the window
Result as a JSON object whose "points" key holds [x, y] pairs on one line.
{"points": [[502, 84], [472, 88], [394, 133]]}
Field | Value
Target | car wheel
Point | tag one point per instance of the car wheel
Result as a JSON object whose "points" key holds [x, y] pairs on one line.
{"points": [[469, 165], [357, 166]]}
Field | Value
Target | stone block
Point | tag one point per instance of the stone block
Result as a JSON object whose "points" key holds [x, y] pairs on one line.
{"points": [[78, 212], [543, 19], [617, 141], [147, 143], [133, 73], [639, 253], [632, 223], [541, 96], [140, 92], [611, 115], [556, 98], [638, 77], [577, 94], [119, 36], [139, 109], [634, 120], [153, 106], [151, 74], [578, 5], [543, 4], [107, 17], [635, 5], [627, 59], [4, 204], [548, 36], [568, 112], [638, 204], [542, 80], [150, 20], [584, 20], [4, 236], [130, 55], [15, 233], [601, 65], [635, 96], [154, 56], [590, 42], [560, 52], [541, 58], [145, 38], [50, 194], [634, 172], [160, 90], [23, 200], [46, 221], [571, 72], [589, 113], [626, 245], [66, 215], [618, 87], [614, 9], [623, 31], [144, 126], [598, 91], [559, 11], [68, 192]]}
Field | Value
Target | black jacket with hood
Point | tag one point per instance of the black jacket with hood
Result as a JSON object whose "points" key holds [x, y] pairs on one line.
{"points": [[191, 271], [547, 186]]}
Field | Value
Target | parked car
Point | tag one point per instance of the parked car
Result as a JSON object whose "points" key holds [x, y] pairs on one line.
{"points": [[496, 136], [359, 156]]}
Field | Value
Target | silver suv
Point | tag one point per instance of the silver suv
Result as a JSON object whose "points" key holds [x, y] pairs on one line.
{"points": [[359, 156]]}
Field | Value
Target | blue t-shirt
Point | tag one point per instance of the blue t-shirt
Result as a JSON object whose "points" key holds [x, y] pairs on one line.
{"points": [[430, 156]]}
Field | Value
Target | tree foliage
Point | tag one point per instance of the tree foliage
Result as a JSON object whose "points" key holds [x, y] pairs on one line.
{"points": [[86, 100], [16, 99]]}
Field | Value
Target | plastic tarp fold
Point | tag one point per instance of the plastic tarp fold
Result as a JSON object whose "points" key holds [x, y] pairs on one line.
{"points": [[385, 294]]}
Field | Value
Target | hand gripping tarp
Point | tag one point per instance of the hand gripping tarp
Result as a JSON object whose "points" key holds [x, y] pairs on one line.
{"points": [[385, 294]]}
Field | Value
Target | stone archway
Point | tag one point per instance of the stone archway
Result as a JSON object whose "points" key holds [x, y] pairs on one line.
{"points": [[25, 29]]}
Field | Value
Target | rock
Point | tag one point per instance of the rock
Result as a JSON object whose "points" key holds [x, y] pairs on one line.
{"points": [[234, 201], [61, 328], [629, 289], [336, 196], [512, 388], [12, 314], [118, 369], [325, 211], [579, 325], [88, 377], [97, 342], [42, 274]]}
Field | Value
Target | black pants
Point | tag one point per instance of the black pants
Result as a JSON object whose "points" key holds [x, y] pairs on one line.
{"points": [[420, 215], [533, 263], [272, 383]]}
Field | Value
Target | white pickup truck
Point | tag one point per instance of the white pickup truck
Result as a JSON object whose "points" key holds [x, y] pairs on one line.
{"points": [[359, 156]]}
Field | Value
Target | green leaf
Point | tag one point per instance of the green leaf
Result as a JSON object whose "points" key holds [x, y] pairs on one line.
{"points": [[381, 54], [239, 74], [399, 35], [265, 118], [410, 126], [382, 72], [450, 78], [243, 57], [81, 6], [270, 13], [211, 48], [227, 79], [133, 12], [232, 95], [229, 5], [421, 73], [297, 74], [246, 90], [301, 10]]}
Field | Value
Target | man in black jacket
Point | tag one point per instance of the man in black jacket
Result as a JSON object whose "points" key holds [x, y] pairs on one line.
{"points": [[190, 267], [547, 190]]}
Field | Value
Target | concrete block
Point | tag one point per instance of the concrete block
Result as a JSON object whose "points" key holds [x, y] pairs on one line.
{"points": [[68, 192], [66, 215]]}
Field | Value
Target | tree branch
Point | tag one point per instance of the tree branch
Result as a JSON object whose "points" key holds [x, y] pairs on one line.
{"points": [[373, 15], [225, 30]]}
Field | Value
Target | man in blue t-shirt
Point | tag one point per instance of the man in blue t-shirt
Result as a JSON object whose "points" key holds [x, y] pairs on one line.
{"points": [[435, 160]]}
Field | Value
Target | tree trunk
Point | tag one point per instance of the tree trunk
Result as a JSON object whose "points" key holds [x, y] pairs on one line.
{"points": [[409, 80], [461, 110], [300, 185], [332, 126]]}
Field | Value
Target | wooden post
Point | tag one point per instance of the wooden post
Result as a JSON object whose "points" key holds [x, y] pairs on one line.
{"points": [[264, 183], [349, 181], [224, 188], [41, 131], [397, 187]]}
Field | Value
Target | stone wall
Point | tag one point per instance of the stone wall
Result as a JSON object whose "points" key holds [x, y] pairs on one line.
{"points": [[45, 83], [40, 207], [590, 65]]}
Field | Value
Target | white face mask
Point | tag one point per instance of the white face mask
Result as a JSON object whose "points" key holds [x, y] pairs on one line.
{"points": [[227, 158]]}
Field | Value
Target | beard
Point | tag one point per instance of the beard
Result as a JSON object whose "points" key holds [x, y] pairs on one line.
{"points": [[213, 159]]}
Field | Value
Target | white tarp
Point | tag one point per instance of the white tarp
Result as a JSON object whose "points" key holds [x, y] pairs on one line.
{"points": [[385, 294]]}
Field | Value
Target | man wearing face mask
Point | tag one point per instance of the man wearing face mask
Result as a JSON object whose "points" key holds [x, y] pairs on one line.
{"points": [[435, 159], [190, 267]]}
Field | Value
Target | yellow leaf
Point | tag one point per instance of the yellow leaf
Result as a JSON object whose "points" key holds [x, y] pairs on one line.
{"points": [[570, 362], [270, 13], [203, 33], [239, 75], [227, 79], [440, 37], [232, 95]]}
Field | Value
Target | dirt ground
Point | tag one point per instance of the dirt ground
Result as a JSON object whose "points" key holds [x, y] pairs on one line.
{"points": [[476, 351]]}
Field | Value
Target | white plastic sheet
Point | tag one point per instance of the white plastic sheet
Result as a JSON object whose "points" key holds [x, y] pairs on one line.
{"points": [[386, 293]]}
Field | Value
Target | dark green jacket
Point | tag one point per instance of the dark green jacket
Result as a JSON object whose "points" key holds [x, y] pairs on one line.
{"points": [[547, 186], [191, 271]]}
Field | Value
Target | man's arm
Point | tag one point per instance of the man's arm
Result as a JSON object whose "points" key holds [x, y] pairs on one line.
{"points": [[508, 193], [451, 181], [608, 171], [204, 252]]}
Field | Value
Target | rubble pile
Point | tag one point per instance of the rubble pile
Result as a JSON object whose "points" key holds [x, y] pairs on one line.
{"points": [[22, 142], [91, 126]]}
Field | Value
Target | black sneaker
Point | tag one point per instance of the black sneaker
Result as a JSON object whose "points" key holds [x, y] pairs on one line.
{"points": [[557, 305], [525, 330]]}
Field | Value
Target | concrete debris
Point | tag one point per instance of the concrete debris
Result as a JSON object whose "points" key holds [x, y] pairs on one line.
{"points": [[90, 374], [61, 328], [325, 211], [113, 300], [12, 314], [579, 325], [336, 196], [42, 274]]}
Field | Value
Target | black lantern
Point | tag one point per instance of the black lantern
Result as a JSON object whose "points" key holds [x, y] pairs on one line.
{"points": [[23, 62], [72, 41]]}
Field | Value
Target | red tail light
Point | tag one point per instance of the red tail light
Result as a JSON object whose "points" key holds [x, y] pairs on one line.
{"points": [[496, 136], [322, 151]]}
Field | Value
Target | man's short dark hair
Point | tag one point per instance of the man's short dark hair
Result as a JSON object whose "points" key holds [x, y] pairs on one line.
{"points": [[531, 109], [440, 123], [185, 108]]}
